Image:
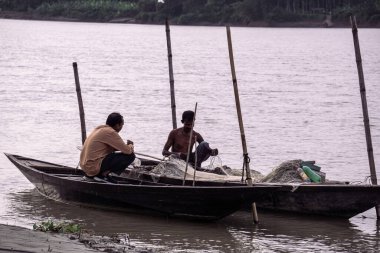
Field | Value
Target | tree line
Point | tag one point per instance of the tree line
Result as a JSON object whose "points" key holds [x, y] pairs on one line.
{"points": [[214, 12]]}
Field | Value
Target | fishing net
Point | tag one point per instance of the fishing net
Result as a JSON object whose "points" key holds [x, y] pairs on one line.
{"points": [[176, 168], [286, 172], [214, 162], [171, 168]]}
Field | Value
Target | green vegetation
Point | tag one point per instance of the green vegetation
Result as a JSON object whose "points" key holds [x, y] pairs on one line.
{"points": [[214, 12], [58, 227], [97, 10]]}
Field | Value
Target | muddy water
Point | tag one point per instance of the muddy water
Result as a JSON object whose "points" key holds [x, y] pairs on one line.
{"points": [[299, 96]]}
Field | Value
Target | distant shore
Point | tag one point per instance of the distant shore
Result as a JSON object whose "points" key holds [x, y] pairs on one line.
{"points": [[127, 20]]}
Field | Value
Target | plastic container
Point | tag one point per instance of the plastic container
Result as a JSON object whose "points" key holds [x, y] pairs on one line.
{"points": [[303, 175], [314, 177]]}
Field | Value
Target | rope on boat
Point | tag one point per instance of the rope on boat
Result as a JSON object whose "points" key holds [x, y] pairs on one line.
{"points": [[294, 187]]}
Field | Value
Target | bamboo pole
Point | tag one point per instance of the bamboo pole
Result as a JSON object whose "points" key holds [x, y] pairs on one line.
{"points": [[364, 106], [195, 162], [237, 100], [240, 118], [80, 102], [153, 157], [189, 147], [171, 77]]}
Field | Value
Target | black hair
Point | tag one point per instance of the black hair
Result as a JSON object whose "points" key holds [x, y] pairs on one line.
{"points": [[187, 116], [114, 118]]}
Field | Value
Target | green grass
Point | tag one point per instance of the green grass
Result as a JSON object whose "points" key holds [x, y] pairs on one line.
{"points": [[58, 227]]}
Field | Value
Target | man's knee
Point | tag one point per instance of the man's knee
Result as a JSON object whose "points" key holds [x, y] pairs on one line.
{"points": [[204, 145], [128, 159]]}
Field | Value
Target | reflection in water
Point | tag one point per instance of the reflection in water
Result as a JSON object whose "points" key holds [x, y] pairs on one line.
{"points": [[236, 233]]}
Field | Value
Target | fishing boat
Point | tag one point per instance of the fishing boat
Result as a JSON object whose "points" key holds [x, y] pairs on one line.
{"points": [[331, 198], [68, 184]]}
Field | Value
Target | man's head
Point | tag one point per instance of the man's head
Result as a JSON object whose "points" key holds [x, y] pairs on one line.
{"points": [[187, 119], [116, 121]]}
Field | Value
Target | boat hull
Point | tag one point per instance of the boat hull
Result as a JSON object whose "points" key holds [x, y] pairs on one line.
{"points": [[199, 202], [334, 200], [327, 199]]}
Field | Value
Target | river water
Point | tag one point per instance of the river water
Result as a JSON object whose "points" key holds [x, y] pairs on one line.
{"points": [[299, 95]]}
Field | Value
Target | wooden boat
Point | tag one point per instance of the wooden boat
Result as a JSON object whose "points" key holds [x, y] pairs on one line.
{"points": [[334, 199], [67, 184]]}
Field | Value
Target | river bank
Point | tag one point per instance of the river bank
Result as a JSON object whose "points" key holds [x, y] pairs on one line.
{"points": [[19, 239], [128, 20]]}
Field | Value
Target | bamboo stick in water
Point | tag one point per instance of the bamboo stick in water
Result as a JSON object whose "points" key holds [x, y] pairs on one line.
{"points": [[364, 106], [171, 76], [80, 102], [240, 118], [238, 108]]}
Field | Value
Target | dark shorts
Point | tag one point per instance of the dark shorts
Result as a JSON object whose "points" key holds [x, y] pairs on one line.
{"points": [[116, 162]]}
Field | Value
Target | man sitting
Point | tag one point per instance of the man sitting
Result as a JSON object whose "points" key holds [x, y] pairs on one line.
{"points": [[178, 141], [98, 157]]}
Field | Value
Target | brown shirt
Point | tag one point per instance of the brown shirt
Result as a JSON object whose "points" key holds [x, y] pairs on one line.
{"points": [[178, 140], [101, 142]]}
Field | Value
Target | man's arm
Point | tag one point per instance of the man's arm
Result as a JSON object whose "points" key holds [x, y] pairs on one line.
{"points": [[115, 141], [169, 143], [199, 138]]}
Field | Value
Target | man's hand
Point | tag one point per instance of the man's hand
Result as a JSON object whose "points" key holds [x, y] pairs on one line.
{"points": [[129, 142]]}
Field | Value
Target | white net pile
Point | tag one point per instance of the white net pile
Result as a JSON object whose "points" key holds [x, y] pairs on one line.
{"points": [[286, 172], [170, 168], [176, 168]]}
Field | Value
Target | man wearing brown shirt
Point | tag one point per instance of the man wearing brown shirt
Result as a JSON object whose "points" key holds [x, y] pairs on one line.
{"points": [[98, 157], [178, 141]]}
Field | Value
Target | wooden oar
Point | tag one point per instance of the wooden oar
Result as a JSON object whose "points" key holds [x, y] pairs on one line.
{"points": [[189, 147], [240, 118], [171, 77], [80, 102], [364, 106]]}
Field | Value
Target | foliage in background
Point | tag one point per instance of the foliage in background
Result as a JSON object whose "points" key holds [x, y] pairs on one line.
{"points": [[58, 227], [97, 10], [241, 12]]}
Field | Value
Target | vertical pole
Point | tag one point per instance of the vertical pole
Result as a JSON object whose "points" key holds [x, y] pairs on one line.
{"points": [[240, 118], [195, 162], [237, 100], [364, 106], [189, 147], [80, 102], [171, 77]]}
